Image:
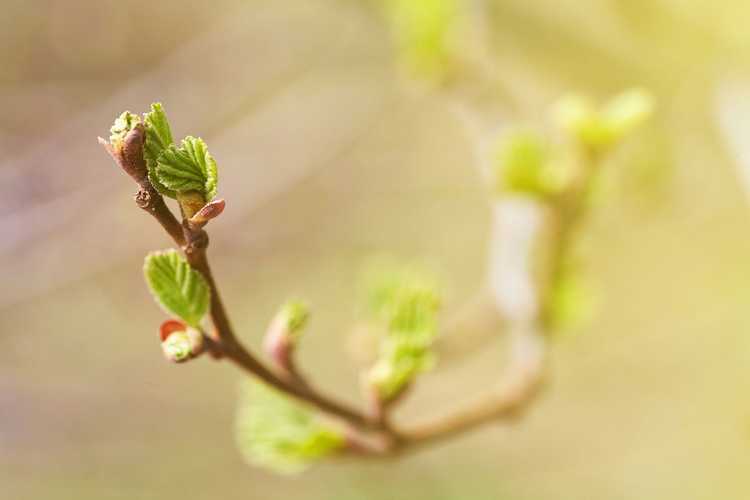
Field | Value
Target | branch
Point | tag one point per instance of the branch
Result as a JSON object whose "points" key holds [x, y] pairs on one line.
{"points": [[521, 384], [129, 156], [523, 303], [194, 242]]}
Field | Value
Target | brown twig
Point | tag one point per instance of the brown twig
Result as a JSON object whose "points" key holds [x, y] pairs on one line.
{"points": [[369, 434], [129, 156], [521, 384], [194, 242]]}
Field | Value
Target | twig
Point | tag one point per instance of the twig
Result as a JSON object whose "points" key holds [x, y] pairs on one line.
{"points": [[130, 158], [521, 384], [194, 242], [370, 434]]}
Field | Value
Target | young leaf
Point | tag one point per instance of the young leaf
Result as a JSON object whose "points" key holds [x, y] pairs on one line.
{"points": [[600, 128], [176, 286], [275, 432], [158, 138], [522, 165], [189, 167], [628, 110], [123, 124], [406, 302], [423, 32]]}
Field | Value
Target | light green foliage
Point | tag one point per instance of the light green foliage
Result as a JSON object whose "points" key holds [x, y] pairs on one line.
{"points": [[600, 128], [522, 165], [276, 432], [177, 346], [123, 124], [158, 138], [422, 29], [176, 286], [188, 168], [295, 315], [174, 170], [572, 302], [406, 302]]}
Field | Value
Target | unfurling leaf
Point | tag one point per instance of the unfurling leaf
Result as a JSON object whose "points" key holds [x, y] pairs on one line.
{"points": [[522, 165], [423, 31], [406, 302], [276, 432], [284, 332], [123, 124], [628, 110], [177, 287], [188, 168], [600, 128], [573, 303], [158, 138], [294, 315]]}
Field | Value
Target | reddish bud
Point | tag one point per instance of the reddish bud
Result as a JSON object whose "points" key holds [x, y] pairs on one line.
{"points": [[180, 342], [209, 211]]}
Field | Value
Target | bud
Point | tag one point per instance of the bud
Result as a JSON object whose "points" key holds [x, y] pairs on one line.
{"points": [[122, 127], [210, 210], [284, 332], [125, 146], [180, 342]]}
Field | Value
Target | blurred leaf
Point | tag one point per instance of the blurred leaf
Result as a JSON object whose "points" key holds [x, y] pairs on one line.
{"points": [[295, 315], [422, 31], [158, 138], [573, 302], [275, 432], [188, 168], [176, 286], [522, 165], [406, 302], [627, 111], [598, 129]]}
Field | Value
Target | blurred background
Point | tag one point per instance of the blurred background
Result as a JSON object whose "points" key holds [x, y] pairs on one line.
{"points": [[327, 156]]}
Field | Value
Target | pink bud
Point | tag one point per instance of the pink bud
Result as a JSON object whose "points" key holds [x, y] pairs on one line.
{"points": [[210, 210]]}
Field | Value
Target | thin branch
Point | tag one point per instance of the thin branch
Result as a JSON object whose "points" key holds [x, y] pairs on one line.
{"points": [[373, 434], [195, 252], [520, 386], [129, 156], [194, 242]]}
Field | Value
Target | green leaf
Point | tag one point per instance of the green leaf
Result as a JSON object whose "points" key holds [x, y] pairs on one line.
{"points": [[294, 314], [423, 31], [278, 433], [188, 168], [572, 300], [522, 165], [176, 286], [406, 302], [598, 129], [158, 138], [628, 110]]}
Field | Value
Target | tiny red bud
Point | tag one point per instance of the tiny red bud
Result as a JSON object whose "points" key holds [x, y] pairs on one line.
{"points": [[180, 342], [170, 326]]}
